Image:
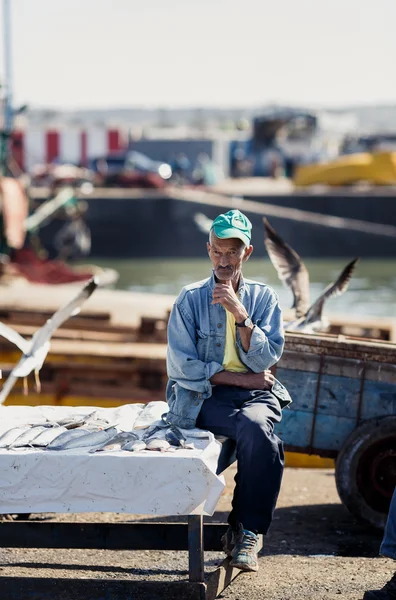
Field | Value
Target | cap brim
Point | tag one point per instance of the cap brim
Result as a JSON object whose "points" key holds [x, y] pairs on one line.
{"points": [[229, 233]]}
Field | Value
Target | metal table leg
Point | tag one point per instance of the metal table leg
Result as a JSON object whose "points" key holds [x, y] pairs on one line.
{"points": [[196, 554]]}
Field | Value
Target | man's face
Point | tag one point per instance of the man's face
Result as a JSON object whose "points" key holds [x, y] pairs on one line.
{"points": [[227, 257]]}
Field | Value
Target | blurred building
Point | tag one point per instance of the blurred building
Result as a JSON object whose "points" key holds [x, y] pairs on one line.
{"points": [[273, 142], [168, 149], [33, 145], [37, 145]]}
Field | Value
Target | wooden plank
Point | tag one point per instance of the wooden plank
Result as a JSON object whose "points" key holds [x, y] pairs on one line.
{"points": [[110, 335], [381, 372], [65, 588], [340, 344], [90, 348], [74, 324], [25, 313], [340, 401], [106, 536], [223, 576]]}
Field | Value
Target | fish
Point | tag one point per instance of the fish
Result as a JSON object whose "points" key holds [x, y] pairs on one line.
{"points": [[175, 437], [66, 436], [77, 420], [97, 419], [109, 447], [47, 436], [120, 438], [134, 446], [196, 433], [98, 424], [158, 444], [91, 439], [47, 424], [11, 435], [71, 434], [189, 446], [158, 427], [27, 437], [72, 423]]}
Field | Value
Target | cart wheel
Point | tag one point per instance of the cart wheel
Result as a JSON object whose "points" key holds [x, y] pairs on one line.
{"points": [[366, 470]]}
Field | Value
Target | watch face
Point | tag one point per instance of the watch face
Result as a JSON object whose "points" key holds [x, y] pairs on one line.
{"points": [[248, 322]]}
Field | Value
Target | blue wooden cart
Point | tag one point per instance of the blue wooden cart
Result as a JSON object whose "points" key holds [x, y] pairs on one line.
{"points": [[344, 406]]}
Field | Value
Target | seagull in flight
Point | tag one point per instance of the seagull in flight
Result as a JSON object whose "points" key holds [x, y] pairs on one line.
{"points": [[35, 350], [294, 274], [203, 222]]}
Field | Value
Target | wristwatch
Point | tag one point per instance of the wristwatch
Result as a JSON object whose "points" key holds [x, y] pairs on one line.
{"points": [[245, 323]]}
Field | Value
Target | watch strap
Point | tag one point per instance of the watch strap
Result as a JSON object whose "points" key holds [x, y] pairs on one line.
{"points": [[242, 323]]}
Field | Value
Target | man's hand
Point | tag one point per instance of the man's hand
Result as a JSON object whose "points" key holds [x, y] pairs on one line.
{"points": [[248, 381], [224, 294], [259, 381]]}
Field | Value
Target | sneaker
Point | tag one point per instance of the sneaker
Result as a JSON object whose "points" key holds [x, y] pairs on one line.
{"points": [[244, 553], [228, 540], [388, 592]]}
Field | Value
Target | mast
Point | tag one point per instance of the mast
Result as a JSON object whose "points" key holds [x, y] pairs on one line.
{"points": [[8, 111]]}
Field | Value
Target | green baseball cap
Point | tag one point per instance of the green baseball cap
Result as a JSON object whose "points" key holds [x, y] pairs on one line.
{"points": [[233, 224]]}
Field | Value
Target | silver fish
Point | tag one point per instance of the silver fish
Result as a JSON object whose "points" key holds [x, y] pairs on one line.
{"points": [[120, 438], [66, 436], [189, 446], [195, 433], [71, 423], [26, 438], [99, 423], [134, 446], [158, 444], [175, 437], [155, 429], [92, 439], [11, 435], [110, 447], [47, 436]]}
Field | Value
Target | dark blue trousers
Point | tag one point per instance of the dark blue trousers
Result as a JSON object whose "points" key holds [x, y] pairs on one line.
{"points": [[248, 417], [388, 546]]}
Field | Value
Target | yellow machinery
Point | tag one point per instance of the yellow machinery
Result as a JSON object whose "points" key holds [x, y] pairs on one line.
{"points": [[377, 168]]}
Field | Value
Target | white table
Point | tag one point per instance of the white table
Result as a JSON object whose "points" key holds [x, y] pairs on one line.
{"points": [[183, 482]]}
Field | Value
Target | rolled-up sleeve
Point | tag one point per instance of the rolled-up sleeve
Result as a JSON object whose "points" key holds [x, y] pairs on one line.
{"points": [[267, 341], [183, 364]]}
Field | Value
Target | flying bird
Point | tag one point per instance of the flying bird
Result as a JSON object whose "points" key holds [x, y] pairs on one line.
{"points": [[35, 350], [294, 274]]}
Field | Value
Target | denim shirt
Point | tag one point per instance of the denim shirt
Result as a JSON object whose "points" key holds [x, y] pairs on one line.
{"points": [[196, 341]]}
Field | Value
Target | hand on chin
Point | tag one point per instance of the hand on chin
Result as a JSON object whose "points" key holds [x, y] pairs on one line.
{"points": [[224, 274]]}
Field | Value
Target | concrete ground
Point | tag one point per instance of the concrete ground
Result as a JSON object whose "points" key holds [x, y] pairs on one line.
{"points": [[315, 550]]}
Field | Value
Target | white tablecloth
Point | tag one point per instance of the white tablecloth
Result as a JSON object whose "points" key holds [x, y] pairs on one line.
{"points": [[148, 482]]}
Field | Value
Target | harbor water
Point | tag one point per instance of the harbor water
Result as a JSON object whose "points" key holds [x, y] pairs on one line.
{"points": [[371, 292]]}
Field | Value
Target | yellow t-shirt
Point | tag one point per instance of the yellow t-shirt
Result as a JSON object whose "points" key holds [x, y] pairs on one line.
{"points": [[231, 360]]}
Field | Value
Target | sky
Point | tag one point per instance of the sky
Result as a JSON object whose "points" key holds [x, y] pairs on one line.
{"points": [[163, 53]]}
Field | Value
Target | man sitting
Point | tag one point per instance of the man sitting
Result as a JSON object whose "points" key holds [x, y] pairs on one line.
{"points": [[224, 334]]}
